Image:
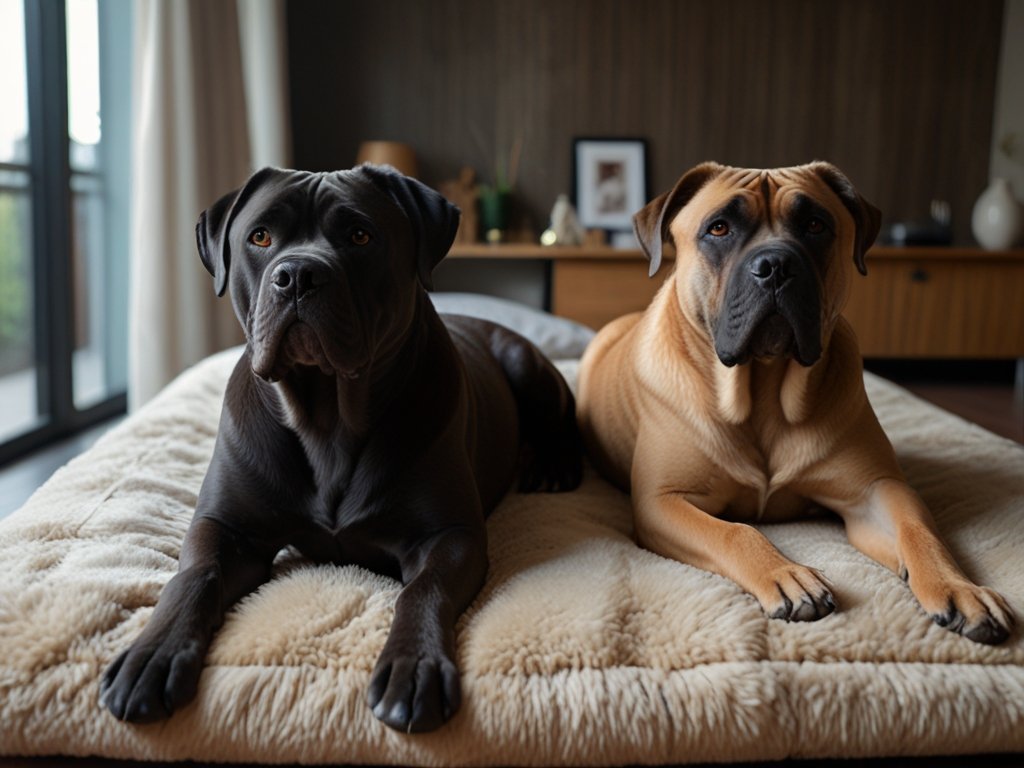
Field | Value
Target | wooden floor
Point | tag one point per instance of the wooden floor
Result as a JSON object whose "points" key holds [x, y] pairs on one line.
{"points": [[994, 407], [982, 392]]}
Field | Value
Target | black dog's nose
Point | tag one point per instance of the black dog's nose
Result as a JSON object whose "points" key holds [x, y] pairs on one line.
{"points": [[294, 278], [771, 265]]}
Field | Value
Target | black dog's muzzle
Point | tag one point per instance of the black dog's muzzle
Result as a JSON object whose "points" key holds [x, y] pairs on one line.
{"points": [[294, 277], [771, 307]]}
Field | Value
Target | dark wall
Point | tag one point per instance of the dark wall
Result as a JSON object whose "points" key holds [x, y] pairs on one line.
{"points": [[898, 93]]}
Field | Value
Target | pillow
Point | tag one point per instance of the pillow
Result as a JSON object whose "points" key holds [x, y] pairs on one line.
{"points": [[556, 337]]}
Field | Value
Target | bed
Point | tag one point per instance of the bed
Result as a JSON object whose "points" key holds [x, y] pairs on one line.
{"points": [[582, 649]]}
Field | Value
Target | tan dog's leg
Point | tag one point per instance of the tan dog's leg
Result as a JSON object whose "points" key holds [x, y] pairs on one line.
{"points": [[893, 526], [671, 526]]}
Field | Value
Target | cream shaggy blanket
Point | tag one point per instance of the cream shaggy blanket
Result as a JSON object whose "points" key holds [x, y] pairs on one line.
{"points": [[582, 648]]}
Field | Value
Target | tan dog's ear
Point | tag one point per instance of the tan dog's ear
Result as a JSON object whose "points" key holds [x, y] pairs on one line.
{"points": [[866, 217], [651, 222]]}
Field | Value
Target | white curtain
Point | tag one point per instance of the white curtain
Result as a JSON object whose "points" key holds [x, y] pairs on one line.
{"points": [[194, 139]]}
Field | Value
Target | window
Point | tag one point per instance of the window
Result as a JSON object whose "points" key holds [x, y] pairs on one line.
{"points": [[65, 73]]}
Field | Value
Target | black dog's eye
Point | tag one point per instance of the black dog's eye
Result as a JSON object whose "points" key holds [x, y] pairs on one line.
{"points": [[718, 229], [360, 236], [815, 226], [260, 237]]}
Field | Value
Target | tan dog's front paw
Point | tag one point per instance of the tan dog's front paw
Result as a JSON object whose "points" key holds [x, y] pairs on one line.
{"points": [[795, 593], [978, 613]]}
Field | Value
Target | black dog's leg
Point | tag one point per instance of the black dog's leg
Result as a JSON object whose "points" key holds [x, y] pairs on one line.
{"points": [[160, 671], [415, 684], [547, 416]]}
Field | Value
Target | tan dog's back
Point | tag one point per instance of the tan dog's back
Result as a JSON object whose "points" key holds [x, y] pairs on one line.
{"points": [[607, 395]]}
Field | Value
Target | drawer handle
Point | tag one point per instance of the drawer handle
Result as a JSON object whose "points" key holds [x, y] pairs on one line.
{"points": [[919, 276]]}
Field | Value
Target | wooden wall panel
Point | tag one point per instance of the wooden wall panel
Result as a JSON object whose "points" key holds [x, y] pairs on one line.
{"points": [[899, 94]]}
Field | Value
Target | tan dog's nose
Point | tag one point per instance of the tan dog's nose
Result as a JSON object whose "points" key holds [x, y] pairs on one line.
{"points": [[771, 267]]}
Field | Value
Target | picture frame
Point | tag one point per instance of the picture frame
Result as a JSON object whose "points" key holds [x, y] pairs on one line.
{"points": [[609, 181]]}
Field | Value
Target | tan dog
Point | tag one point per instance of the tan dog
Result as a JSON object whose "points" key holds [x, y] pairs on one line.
{"points": [[738, 396]]}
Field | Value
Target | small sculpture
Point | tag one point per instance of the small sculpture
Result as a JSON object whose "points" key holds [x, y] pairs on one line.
{"points": [[463, 192], [565, 226]]}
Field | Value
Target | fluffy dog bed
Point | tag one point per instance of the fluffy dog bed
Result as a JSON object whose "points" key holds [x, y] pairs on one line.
{"points": [[582, 648]]}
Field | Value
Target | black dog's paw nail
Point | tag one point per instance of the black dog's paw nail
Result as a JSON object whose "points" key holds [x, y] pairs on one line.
{"points": [[144, 712], [150, 680], [413, 694], [398, 716]]}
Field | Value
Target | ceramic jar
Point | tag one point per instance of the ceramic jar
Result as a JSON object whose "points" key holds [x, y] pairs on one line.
{"points": [[997, 219]]}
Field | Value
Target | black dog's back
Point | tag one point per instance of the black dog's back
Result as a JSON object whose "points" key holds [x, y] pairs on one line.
{"points": [[552, 452]]}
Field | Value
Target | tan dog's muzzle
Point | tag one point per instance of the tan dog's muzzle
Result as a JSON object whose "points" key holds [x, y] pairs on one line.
{"points": [[771, 307]]}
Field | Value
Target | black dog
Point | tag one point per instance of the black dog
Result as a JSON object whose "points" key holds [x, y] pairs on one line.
{"points": [[357, 427]]}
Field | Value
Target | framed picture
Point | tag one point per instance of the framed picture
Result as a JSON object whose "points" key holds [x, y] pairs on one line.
{"points": [[609, 181]]}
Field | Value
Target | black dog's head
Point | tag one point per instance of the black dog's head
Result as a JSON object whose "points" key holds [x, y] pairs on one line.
{"points": [[763, 256], [324, 268]]}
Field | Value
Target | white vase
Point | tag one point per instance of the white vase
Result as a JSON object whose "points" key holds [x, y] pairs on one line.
{"points": [[997, 218]]}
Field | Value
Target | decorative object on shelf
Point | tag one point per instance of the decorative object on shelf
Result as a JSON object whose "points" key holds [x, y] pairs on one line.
{"points": [[464, 193], [997, 218], [937, 230], [609, 181], [565, 226], [595, 238], [495, 199], [399, 156], [494, 203]]}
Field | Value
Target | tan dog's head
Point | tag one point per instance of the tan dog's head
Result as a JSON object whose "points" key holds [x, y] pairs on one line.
{"points": [[763, 257]]}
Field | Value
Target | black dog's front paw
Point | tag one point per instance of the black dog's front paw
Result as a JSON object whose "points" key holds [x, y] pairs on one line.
{"points": [[414, 693], [152, 679]]}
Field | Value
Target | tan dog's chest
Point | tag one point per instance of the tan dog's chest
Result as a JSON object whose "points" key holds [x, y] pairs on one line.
{"points": [[756, 471]]}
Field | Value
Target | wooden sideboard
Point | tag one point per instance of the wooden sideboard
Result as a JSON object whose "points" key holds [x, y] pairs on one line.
{"points": [[916, 302]]}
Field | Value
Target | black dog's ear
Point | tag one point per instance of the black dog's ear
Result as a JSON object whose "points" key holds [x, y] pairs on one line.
{"points": [[214, 223], [651, 222], [212, 241], [434, 220], [866, 217]]}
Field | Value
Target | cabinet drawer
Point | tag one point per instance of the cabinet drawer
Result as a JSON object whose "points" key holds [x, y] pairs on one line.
{"points": [[596, 291], [939, 308]]}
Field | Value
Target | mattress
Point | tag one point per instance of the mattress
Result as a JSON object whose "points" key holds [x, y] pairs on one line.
{"points": [[582, 649]]}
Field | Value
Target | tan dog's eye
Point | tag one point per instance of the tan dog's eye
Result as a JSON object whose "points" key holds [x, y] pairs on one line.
{"points": [[360, 237], [718, 229], [815, 226], [260, 237]]}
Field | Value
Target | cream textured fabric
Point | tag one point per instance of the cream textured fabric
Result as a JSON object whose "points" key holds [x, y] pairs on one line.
{"points": [[582, 648]]}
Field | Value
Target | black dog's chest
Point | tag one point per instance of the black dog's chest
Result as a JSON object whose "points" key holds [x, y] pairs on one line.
{"points": [[342, 522], [340, 539]]}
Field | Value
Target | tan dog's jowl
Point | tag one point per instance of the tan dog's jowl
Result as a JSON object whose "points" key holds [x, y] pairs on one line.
{"points": [[738, 396]]}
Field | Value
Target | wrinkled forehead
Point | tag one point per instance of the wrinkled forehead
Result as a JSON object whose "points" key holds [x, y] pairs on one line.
{"points": [[297, 196], [762, 193]]}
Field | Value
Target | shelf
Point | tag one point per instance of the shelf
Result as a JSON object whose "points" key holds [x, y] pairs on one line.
{"points": [[537, 251], [606, 253]]}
